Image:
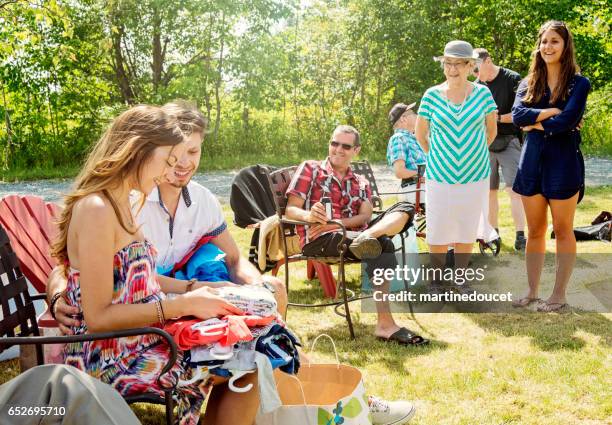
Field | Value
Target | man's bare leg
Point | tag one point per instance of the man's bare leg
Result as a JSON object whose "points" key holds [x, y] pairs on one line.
{"points": [[385, 325], [494, 208], [518, 212], [390, 225]]}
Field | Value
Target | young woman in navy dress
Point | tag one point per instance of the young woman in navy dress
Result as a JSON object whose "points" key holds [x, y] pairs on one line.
{"points": [[549, 106]]}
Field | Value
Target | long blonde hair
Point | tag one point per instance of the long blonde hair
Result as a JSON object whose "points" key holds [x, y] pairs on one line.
{"points": [[119, 155]]}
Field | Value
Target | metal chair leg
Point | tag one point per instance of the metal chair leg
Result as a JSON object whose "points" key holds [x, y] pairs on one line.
{"points": [[40, 357], [404, 260], [406, 283], [169, 407], [342, 279], [286, 289]]}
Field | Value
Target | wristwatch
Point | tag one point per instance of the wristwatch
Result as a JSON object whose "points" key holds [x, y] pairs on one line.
{"points": [[268, 286]]}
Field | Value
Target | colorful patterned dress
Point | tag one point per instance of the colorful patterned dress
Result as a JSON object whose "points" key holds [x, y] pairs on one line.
{"points": [[131, 365]]}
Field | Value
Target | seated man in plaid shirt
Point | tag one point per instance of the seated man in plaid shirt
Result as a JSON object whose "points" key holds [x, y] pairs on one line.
{"points": [[350, 196]]}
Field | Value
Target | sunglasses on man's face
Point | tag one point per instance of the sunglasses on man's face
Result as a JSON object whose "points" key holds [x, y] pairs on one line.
{"points": [[345, 146]]}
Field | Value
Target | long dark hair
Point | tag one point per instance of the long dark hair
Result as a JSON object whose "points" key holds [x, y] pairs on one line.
{"points": [[537, 77]]}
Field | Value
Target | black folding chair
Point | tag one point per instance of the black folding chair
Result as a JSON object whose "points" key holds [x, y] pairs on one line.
{"points": [[279, 182]]}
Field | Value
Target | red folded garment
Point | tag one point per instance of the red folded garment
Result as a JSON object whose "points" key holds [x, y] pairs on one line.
{"points": [[228, 330]]}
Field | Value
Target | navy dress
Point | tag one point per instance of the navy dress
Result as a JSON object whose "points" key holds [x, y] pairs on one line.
{"points": [[551, 163]]}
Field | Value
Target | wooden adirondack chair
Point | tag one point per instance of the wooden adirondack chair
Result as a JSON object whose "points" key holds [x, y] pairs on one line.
{"points": [[29, 223]]}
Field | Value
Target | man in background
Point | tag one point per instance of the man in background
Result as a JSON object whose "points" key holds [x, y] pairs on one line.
{"points": [[404, 154], [505, 150]]}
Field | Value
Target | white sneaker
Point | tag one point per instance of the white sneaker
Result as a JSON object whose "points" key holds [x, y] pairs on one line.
{"points": [[390, 412]]}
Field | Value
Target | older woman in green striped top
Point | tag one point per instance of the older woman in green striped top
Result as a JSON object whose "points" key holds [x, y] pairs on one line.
{"points": [[456, 123]]}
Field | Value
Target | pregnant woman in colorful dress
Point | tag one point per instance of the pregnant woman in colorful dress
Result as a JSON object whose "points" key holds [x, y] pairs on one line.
{"points": [[549, 106], [456, 123], [111, 267]]}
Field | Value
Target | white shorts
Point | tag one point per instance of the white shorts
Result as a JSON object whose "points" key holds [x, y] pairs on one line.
{"points": [[458, 213], [410, 197]]}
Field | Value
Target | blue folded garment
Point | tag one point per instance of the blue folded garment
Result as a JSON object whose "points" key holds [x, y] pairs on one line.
{"points": [[206, 264]]}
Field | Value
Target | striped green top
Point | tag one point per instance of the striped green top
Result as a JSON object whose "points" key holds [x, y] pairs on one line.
{"points": [[458, 151]]}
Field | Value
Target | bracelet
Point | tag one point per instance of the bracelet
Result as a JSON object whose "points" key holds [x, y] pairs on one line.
{"points": [[54, 300], [266, 284], [162, 311], [160, 314], [189, 286]]}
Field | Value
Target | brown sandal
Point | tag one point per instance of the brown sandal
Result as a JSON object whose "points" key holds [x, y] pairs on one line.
{"points": [[525, 302]]}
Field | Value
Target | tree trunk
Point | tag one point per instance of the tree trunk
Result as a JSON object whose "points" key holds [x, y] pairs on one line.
{"points": [[123, 81], [219, 79], [245, 121], [207, 60], [363, 72], [9, 130], [322, 104], [350, 119], [50, 110], [296, 79], [157, 66], [378, 87]]}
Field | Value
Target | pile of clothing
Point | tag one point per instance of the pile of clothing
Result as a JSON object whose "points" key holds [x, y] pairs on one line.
{"points": [[232, 345]]}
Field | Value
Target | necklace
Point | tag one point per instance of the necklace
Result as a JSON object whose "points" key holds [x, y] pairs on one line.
{"points": [[460, 106]]}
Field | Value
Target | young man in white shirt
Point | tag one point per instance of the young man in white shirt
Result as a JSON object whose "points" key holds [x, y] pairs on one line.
{"points": [[505, 151]]}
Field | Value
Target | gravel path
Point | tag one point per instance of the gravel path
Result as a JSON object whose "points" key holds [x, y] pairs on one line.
{"points": [[598, 173]]}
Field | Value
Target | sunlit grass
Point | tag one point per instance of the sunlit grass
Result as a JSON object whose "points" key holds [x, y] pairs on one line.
{"points": [[527, 369]]}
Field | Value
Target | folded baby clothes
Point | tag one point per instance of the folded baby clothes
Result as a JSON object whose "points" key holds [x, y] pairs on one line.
{"points": [[205, 355], [226, 331], [252, 299]]}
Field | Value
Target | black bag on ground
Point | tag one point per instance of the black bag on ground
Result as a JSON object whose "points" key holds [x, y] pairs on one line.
{"points": [[600, 229]]}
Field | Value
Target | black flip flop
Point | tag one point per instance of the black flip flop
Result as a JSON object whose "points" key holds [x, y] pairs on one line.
{"points": [[405, 336]]}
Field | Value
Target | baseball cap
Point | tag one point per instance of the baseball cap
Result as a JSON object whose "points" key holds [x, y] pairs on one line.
{"points": [[398, 109]]}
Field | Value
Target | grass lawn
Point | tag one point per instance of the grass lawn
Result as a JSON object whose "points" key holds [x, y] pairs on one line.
{"points": [[528, 368]]}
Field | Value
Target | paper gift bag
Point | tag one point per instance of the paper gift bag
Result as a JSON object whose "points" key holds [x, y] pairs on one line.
{"points": [[320, 394]]}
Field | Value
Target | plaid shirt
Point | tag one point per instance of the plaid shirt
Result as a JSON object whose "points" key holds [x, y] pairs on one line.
{"points": [[403, 145], [352, 186]]}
